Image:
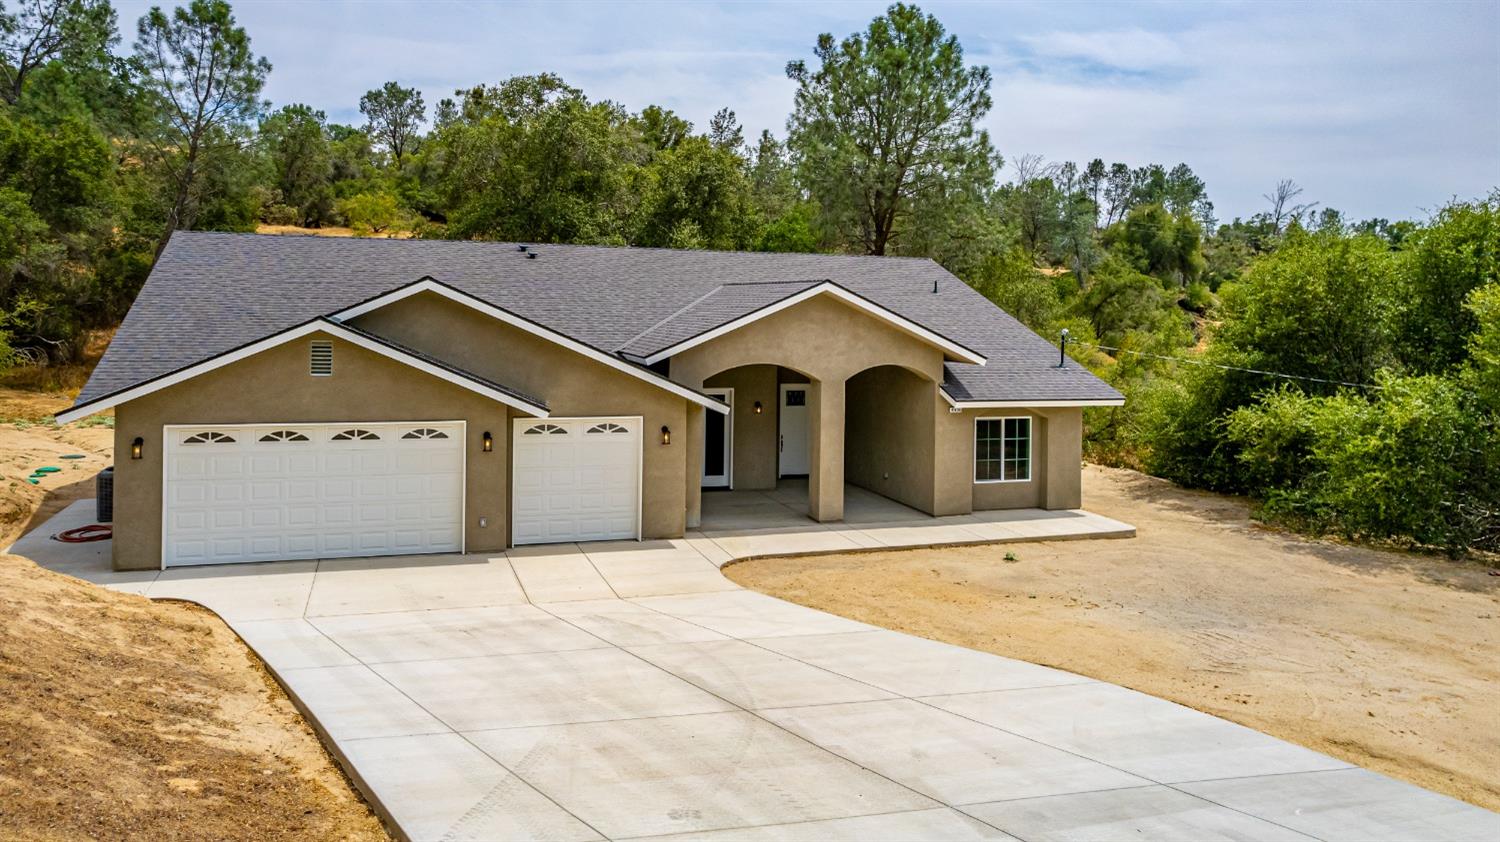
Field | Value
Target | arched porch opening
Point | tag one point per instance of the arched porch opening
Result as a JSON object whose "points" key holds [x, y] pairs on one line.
{"points": [[890, 418]]}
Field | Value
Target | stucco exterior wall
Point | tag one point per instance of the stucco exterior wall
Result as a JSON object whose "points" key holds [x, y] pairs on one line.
{"points": [[1056, 462], [571, 384], [889, 435], [754, 436], [829, 341], [276, 386]]}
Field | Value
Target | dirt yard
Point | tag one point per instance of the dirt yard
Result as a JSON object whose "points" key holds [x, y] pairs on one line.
{"points": [[125, 718], [122, 718], [28, 440], [1384, 659]]}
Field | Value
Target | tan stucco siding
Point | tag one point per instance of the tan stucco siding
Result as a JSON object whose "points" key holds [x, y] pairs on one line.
{"points": [[754, 435], [822, 338], [889, 437], [571, 384], [829, 341], [1056, 462], [275, 386]]}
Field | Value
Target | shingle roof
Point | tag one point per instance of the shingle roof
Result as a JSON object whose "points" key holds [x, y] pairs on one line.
{"points": [[211, 292], [720, 305]]}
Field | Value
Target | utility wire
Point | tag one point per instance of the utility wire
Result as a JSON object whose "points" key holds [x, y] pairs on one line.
{"points": [[1191, 361]]}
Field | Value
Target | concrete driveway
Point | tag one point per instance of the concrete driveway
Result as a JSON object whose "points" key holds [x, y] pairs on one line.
{"points": [[628, 690]]}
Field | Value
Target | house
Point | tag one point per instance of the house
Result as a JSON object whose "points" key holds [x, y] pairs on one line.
{"points": [[302, 397]]}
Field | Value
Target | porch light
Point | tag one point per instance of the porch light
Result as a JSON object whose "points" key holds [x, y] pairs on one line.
{"points": [[489, 442], [666, 434], [135, 447], [758, 408]]}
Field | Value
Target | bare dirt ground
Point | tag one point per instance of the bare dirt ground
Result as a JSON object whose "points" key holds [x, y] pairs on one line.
{"points": [[28, 442], [1384, 659], [124, 718]]}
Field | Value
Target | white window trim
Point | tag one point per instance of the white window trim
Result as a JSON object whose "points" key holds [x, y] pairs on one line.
{"points": [[901, 323], [291, 334], [438, 288], [1030, 448]]}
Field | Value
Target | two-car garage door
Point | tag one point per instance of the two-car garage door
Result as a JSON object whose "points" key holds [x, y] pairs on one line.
{"points": [[290, 491], [268, 492]]}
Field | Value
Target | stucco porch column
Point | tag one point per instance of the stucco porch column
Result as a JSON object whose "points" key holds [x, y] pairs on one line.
{"points": [[825, 477], [694, 459]]}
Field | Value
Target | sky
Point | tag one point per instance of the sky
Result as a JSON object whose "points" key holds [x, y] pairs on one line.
{"points": [[1381, 109]]}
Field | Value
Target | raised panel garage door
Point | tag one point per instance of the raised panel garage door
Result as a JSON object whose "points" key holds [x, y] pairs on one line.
{"points": [[298, 491], [576, 479]]}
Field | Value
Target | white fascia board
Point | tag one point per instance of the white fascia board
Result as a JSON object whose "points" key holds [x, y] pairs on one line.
{"points": [[905, 325], [315, 326], [1024, 404], [532, 328]]}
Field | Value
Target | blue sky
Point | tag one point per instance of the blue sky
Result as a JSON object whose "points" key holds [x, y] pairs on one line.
{"points": [[1379, 109]]}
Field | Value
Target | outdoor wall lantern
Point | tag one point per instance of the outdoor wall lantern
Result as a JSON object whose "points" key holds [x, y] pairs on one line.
{"points": [[758, 408], [666, 434], [489, 442], [135, 447]]}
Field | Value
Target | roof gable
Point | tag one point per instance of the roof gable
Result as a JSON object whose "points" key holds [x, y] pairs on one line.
{"points": [[730, 308], [430, 285], [367, 341]]}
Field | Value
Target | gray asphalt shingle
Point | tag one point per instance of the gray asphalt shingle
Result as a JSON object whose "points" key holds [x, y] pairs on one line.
{"points": [[212, 292]]}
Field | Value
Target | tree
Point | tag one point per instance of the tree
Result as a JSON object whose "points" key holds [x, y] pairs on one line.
{"points": [[1321, 305], [1283, 208], [1116, 194], [371, 213], [887, 123], [1159, 244], [394, 116], [197, 63], [45, 30], [1442, 263], [661, 128], [724, 131], [297, 144], [535, 161], [699, 184], [1033, 202]]}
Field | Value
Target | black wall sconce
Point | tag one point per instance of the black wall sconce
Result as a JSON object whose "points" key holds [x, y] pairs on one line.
{"points": [[758, 408], [666, 434], [488, 442], [135, 447]]}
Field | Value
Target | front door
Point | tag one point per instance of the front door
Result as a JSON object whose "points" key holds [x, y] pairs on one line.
{"points": [[792, 442], [718, 441]]}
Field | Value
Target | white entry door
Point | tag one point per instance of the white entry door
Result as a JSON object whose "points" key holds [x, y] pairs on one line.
{"points": [[576, 479], [793, 437], [718, 442], [267, 492]]}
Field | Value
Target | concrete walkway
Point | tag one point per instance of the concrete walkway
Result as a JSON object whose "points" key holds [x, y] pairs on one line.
{"points": [[628, 690]]}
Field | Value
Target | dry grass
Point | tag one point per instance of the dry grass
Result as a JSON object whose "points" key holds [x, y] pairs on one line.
{"points": [[124, 718], [1380, 658], [327, 231]]}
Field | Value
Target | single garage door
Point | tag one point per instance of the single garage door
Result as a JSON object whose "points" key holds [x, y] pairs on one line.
{"points": [[576, 479], [288, 491]]}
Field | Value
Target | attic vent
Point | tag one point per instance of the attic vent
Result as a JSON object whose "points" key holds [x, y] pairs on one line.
{"points": [[321, 359]]}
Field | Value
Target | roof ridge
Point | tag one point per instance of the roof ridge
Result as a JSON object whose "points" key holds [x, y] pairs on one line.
{"points": [[533, 244], [670, 316]]}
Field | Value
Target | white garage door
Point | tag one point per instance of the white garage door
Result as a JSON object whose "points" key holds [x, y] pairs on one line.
{"points": [[576, 479], [287, 491]]}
